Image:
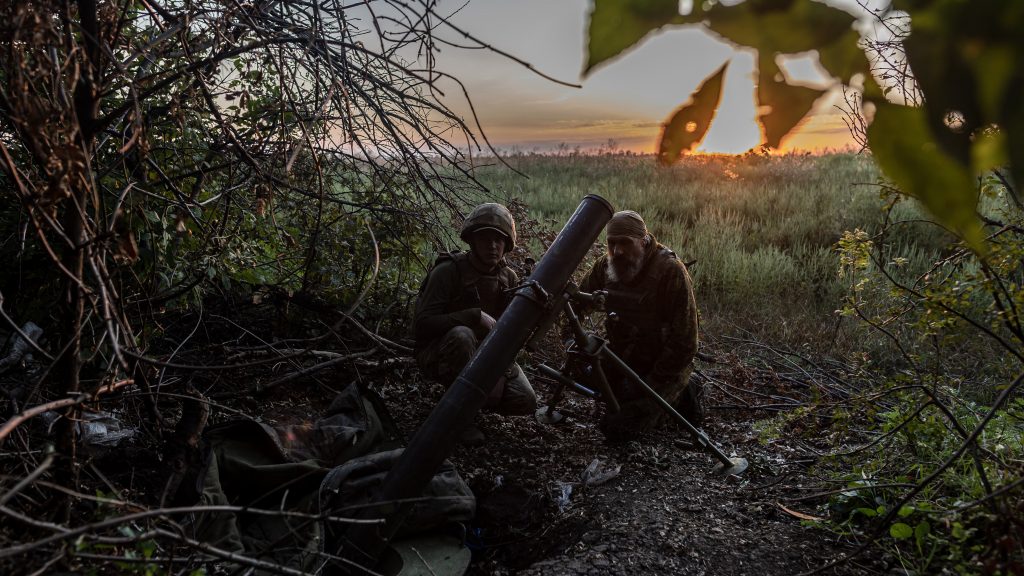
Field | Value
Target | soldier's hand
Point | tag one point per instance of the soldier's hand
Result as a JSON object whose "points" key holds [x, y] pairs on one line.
{"points": [[487, 321]]}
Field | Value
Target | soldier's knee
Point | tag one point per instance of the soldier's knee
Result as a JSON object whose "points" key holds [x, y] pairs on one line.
{"points": [[459, 342], [519, 397], [454, 351]]}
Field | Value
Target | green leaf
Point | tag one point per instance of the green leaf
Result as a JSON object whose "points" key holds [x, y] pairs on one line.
{"points": [[783, 105], [690, 122], [901, 531], [908, 155], [948, 88], [994, 73], [921, 530], [616, 25], [148, 547], [869, 512], [905, 511], [966, 57], [779, 26]]}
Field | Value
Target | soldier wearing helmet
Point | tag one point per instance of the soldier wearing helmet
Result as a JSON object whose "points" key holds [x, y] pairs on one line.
{"points": [[652, 326], [459, 302]]}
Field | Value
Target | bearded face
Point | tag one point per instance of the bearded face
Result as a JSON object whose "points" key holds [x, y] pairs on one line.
{"points": [[625, 257]]}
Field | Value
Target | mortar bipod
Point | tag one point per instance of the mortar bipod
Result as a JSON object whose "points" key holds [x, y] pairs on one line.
{"points": [[591, 348]]}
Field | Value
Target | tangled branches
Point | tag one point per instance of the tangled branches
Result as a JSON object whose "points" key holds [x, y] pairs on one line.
{"points": [[155, 153]]}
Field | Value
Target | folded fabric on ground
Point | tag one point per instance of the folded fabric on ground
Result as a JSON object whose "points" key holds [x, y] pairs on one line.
{"points": [[327, 469]]}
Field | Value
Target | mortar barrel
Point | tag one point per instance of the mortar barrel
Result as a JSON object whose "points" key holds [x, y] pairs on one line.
{"points": [[436, 437]]}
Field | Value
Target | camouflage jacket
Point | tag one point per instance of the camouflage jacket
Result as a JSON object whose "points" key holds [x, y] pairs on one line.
{"points": [[454, 293], [664, 343]]}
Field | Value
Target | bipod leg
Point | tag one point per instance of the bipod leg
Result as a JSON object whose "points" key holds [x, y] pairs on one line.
{"points": [[602, 384], [590, 347], [548, 414], [725, 465]]}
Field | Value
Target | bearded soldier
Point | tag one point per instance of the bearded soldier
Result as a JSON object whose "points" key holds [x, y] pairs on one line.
{"points": [[651, 325], [459, 302]]}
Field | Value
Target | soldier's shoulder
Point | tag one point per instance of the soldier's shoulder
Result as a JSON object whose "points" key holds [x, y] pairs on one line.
{"points": [[595, 277], [671, 262], [446, 263], [666, 252], [508, 272], [598, 267]]}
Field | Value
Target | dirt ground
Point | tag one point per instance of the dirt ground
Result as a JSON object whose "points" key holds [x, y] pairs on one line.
{"points": [[664, 512], [646, 507]]}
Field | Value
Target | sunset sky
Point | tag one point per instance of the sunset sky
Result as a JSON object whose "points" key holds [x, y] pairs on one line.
{"points": [[625, 100]]}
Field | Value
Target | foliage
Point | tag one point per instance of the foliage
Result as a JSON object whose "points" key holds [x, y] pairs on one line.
{"points": [[691, 121], [966, 60], [210, 147], [163, 161], [944, 420], [959, 315], [775, 28], [946, 125], [949, 524]]}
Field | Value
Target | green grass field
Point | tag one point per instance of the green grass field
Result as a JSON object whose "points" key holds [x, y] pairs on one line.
{"points": [[762, 230]]}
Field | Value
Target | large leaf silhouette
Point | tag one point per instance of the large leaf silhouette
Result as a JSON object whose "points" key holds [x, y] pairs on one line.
{"points": [[779, 26], [783, 105], [844, 57], [906, 151], [968, 68], [616, 25], [690, 122]]}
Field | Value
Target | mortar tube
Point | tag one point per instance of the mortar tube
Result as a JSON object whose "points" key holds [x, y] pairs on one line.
{"points": [[436, 437]]}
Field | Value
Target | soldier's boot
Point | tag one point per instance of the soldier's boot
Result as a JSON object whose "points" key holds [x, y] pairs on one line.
{"points": [[512, 395], [692, 404]]}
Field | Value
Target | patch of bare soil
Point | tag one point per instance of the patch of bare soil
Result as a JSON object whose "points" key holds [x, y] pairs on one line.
{"points": [[663, 513]]}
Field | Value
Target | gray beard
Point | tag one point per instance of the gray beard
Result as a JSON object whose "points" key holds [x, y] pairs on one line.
{"points": [[624, 274]]}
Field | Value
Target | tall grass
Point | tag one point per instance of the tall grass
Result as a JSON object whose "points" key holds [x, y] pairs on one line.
{"points": [[761, 229]]}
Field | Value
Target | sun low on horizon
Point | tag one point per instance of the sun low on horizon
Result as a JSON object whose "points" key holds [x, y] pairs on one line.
{"points": [[623, 103]]}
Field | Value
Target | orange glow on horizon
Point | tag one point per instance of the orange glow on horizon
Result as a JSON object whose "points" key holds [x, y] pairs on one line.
{"points": [[819, 133], [734, 130]]}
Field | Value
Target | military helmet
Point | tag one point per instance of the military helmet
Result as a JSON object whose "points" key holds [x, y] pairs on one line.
{"points": [[493, 216]]}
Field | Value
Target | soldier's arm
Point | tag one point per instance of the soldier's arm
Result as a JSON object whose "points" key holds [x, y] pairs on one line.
{"points": [[681, 340], [514, 281], [594, 280], [430, 320]]}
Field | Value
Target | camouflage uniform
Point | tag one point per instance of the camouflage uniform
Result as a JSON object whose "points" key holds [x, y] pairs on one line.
{"points": [[446, 323], [652, 326]]}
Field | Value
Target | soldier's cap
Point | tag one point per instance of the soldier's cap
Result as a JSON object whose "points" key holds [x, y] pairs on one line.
{"points": [[627, 223], [490, 215], [498, 230]]}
